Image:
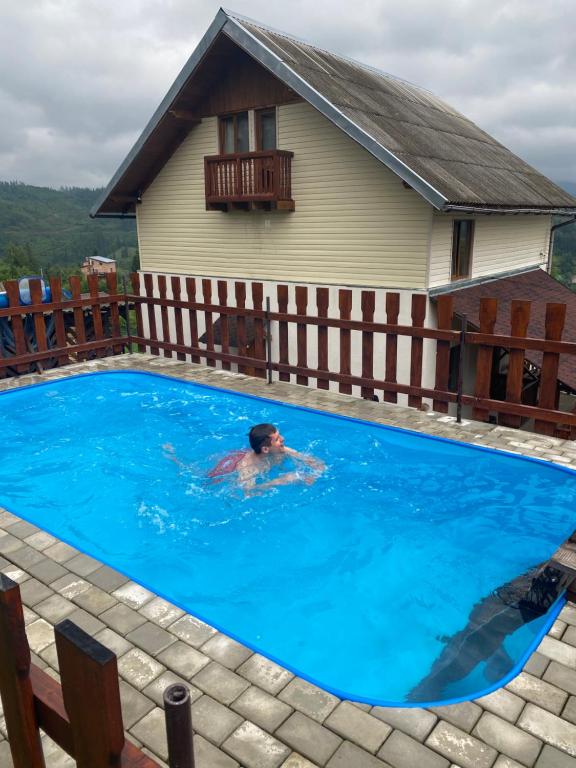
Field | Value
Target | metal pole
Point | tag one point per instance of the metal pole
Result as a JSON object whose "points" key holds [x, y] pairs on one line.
{"points": [[179, 726], [463, 325], [268, 342], [127, 314]]}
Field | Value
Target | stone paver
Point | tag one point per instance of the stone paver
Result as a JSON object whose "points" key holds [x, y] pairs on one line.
{"points": [[309, 738], [261, 708], [402, 751], [357, 726], [214, 721], [506, 738], [155, 690], [549, 728], [138, 669], [503, 703], [255, 748], [161, 612], [558, 651], [183, 659], [151, 731], [206, 755], [151, 638], [265, 673], [122, 618], [133, 595], [562, 677], [538, 692], [414, 721], [192, 631], [309, 699], [348, 755], [553, 758], [226, 651], [219, 682], [464, 716], [461, 748]]}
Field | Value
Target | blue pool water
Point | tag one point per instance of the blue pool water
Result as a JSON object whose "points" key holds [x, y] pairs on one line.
{"points": [[357, 582]]}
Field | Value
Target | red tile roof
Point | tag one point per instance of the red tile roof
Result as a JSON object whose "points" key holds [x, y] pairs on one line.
{"points": [[535, 286]]}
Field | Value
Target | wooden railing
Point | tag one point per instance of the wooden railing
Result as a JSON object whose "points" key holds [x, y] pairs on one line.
{"points": [[250, 177], [71, 327], [171, 317], [83, 715]]}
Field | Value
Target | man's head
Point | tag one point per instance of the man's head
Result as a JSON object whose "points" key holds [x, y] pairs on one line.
{"points": [[265, 438]]}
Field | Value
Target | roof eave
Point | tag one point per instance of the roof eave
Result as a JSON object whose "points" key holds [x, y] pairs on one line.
{"points": [[505, 209], [212, 32]]}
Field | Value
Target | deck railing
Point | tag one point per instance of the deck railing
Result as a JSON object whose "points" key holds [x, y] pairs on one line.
{"points": [[199, 321], [250, 177]]}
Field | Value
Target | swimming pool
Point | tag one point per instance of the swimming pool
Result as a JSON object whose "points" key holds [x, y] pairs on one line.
{"points": [[367, 582]]}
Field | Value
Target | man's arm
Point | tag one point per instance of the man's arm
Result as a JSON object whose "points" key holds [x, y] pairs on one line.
{"points": [[310, 461]]}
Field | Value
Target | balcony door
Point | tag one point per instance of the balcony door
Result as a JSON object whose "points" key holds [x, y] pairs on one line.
{"points": [[265, 121], [234, 134]]}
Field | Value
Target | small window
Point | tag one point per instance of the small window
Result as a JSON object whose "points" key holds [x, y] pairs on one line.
{"points": [[462, 237], [234, 137], [266, 129]]}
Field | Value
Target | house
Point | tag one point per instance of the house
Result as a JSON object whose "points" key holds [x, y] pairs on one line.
{"points": [[273, 160], [97, 265]]}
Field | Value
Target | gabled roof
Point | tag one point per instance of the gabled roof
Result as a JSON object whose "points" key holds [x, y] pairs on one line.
{"points": [[445, 157]]}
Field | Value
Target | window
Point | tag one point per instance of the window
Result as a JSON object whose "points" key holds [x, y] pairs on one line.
{"points": [[462, 237], [234, 135], [265, 129]]}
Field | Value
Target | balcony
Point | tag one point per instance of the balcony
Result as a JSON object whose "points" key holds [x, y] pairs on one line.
{"points": [[249, 180]]}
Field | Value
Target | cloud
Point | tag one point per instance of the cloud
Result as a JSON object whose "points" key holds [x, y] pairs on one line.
{"points": [[79, 79]]}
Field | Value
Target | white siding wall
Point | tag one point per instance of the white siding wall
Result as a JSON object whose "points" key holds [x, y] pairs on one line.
{"points": [[501, 244], [354, 224], [270, 290]]}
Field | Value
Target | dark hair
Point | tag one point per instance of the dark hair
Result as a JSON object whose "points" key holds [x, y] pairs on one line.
{"points": [[259, 436]]}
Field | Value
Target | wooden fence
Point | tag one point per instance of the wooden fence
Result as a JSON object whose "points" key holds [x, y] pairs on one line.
{"points": [[71, 327], [169, 314], [83, 715]]}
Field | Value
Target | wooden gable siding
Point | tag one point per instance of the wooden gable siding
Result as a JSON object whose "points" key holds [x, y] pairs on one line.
{"points": [[355, 223], [501, 244], [239, 83]]}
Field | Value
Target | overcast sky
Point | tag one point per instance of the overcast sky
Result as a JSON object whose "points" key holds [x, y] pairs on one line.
{"points": [[79, 79]]}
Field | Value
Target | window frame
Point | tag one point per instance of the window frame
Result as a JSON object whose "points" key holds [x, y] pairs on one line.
{"points": [[456, 258], [222, 131], [258, 114]]}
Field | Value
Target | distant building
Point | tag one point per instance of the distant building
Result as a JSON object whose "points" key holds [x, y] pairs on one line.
{"points": [[98, 265]]}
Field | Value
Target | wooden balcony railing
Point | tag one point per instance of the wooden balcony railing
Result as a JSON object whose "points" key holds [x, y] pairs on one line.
{"points": [[250, 179]]}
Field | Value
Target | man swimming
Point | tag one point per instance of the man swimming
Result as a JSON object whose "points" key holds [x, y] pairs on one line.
{"points": [[268, 451]]}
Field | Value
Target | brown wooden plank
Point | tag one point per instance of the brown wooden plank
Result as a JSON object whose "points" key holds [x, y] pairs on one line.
{"points": [[345, 306], [208, 319], [240, 293], [112, 289], [58, 318], [419, 301], [301, 332], [192, 316], [322, 299], [488, 314], [444, 315], [549, 392], [90, 346], [152, 332], [259, 337], [135, 281], [392, 312], [41, 341], [520, 318], [94, 290], [176, 293], [15, 684], [224, 326], [283, 348], [368, 305], [79, 317], [95, 719], [21, 348], [50, 709], [162, 291]]}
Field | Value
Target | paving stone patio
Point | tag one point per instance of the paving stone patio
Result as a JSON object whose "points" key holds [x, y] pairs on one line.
{"points": [[247, 711]]}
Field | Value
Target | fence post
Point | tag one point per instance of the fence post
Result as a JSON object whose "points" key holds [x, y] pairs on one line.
{"points": [[548, 395], [463, 326], [268, 341], [15, 684], [127, 315], [520, 318], [179, 734], [91, 695]]}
